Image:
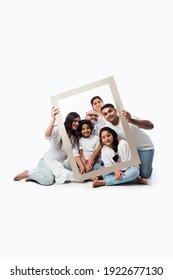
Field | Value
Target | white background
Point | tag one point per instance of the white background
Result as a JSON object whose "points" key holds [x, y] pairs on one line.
{"points": [[81, 102], [49, 47]]}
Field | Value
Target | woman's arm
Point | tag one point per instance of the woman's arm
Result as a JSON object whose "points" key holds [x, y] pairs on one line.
{"points": [[54, 112]]}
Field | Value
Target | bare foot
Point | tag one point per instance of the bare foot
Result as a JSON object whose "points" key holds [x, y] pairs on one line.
{"points": [[142, 181], [21, 176], [95, 179], [98, 183]]}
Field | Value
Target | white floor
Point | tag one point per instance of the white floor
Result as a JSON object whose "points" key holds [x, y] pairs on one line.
{"points": [[75, 221], [47, 55]]}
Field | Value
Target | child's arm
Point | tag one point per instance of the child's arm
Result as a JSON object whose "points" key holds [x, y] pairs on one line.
{"points": [[87, 167], [84, 161], [118, 174], [94, 156], [80, 164]]}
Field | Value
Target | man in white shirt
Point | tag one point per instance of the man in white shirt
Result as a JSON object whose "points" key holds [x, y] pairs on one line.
{"points": [[143, 142]]}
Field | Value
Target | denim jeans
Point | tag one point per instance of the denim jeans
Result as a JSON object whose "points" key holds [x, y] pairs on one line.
{"points": [[129, 175], [97, 166], [67, 165], [43, 175], [146, 157]]}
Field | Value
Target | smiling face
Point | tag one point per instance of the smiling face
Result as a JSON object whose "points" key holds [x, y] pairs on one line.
{"points": [[75, 123], [107, 138], [92, 116], [86, 130], [97, 104], [110, 114]]}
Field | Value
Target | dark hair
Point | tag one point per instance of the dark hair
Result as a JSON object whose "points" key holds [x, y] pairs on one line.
{"points": [[115, 140], [82, 122], [107, 105], [72, 134], [92, 100]]}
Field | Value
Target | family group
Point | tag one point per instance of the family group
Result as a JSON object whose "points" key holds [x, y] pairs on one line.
{"points": [[97, 141]]}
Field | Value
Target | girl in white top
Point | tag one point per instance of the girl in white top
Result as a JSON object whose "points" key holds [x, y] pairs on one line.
{"points": [[88, 144], [113, 151], [50, 168]]}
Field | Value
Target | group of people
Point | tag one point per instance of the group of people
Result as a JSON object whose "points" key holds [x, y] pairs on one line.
{"points": [[97, 141]]}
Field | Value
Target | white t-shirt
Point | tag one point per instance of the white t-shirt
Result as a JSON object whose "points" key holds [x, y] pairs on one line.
{"points": [[102, 122], [96, 129], [88, 145], [142, 140], [108, 153]]}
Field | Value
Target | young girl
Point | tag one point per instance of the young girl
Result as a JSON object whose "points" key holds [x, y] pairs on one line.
{"points": [[89, 145], [113, 151], [50, 168]]}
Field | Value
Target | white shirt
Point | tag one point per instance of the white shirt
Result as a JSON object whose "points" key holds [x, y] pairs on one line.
{"points": [[88, 145], [108, 153], [55, 151], [96, 129], [142, 140], [102, 122], [54, 158]]}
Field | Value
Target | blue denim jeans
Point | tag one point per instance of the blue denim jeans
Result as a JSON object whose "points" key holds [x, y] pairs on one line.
{"points": [[97, 166], [128, 176], [43, 175], [146, 157], [67, 165]]}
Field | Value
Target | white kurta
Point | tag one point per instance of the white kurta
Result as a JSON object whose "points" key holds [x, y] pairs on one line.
{"points": [[54, 158], [55, 151]]}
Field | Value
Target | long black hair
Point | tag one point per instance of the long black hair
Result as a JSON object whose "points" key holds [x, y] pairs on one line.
{"points": [[115, 140], [72, 134]]}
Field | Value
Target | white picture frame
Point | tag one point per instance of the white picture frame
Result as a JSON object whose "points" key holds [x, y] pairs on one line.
{"points": [[67, 102]]}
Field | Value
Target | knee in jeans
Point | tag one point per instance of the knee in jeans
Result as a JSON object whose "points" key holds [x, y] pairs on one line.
{"points": [[48, 181], [145, 173], [66, 164], [136, 173]]}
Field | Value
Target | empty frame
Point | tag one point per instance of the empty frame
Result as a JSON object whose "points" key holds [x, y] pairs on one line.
{"points": [[78, 100]]}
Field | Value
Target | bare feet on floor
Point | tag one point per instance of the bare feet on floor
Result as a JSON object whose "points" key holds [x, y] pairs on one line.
{"points": [[142, 181], [21, 176], [94, 179], [98, 183]]}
